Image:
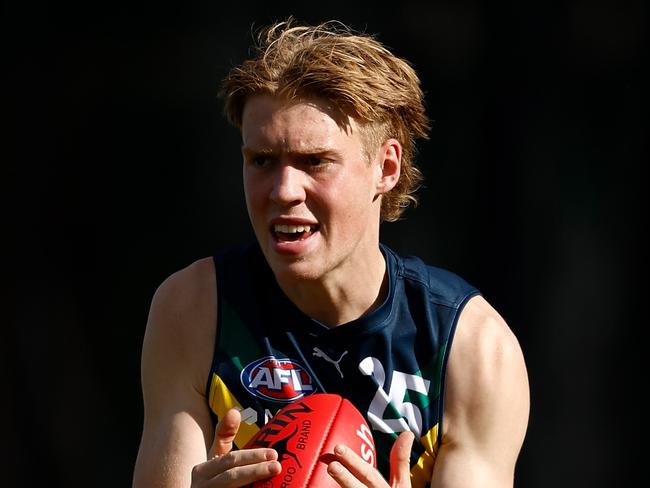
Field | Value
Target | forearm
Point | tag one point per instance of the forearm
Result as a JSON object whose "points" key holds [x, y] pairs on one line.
{"points": [[465, 468], [168, 453]]}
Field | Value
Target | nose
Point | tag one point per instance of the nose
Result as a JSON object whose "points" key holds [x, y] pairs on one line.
{"points": [[288, 186]]}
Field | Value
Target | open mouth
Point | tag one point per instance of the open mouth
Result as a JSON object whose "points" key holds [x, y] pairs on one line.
{"points": [[290, 233]]}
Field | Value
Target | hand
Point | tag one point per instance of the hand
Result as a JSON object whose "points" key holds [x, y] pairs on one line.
{"points": [[350, 471], [226, 469]]}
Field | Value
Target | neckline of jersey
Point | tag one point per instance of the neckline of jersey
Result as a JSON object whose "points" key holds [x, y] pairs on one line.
{"points": [[300, 323]]}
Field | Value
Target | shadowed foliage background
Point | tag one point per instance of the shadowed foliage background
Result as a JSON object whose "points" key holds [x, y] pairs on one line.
{"points": [[121, 170]]}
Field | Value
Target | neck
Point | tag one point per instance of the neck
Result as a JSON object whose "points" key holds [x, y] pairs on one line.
{"points": [[345, 294]]}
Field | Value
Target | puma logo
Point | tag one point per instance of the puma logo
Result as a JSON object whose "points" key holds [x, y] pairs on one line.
{"points": [[320, 354]]}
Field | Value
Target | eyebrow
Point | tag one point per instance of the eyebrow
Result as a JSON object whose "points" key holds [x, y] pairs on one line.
{"points": [[247, 151]]}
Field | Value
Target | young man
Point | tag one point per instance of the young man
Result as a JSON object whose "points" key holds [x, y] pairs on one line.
{"points": [[329, 120]]}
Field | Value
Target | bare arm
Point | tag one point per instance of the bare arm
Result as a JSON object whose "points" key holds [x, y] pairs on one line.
{"points": [[179, 446], [176, 357], [486, 405]]}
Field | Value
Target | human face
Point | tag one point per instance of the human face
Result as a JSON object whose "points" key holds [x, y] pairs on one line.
{"points": [[311, 194]]}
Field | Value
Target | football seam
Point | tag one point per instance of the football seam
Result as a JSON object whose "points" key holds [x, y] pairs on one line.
{"points": [[323, 441]]}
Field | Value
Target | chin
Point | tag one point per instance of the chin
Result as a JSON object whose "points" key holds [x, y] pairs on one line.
{"points": [[301, 270]]}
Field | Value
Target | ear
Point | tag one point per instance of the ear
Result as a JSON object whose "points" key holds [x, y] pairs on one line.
{"points": [[390, 164]]}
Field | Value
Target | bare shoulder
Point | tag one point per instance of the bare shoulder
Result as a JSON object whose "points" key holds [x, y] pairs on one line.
{"points": [[181, 326], [187, 287], [487, 394], [483, 338]]}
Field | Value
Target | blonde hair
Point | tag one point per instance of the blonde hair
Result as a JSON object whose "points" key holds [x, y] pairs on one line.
{"points": [[353, 71]]}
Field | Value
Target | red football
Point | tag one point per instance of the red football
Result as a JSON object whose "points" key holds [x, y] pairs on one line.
{"points": [[305, 432]]}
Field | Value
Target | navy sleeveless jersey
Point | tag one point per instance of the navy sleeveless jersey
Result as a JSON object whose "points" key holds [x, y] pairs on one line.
{"points": [[390, 363]]}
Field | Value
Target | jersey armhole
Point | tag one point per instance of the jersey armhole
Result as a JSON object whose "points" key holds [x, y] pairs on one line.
{"points": [[217, 338]]}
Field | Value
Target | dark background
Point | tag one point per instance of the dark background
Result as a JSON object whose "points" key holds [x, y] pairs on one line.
{"points": [[121, 170]]}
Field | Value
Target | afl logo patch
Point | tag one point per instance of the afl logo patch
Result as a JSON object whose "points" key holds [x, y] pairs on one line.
{"points": [[280, 380]]}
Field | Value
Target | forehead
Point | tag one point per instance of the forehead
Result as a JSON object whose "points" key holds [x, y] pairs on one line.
{"points": [[294, 125]]}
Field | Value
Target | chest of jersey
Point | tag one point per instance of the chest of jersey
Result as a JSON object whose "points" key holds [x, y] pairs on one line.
{"points": [[390, 364]]}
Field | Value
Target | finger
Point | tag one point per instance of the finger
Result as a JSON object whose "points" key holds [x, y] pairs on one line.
{"points": [[246, 475], [358, 468], [225, 433], [342, 476], [253, 459], [400, 460]]}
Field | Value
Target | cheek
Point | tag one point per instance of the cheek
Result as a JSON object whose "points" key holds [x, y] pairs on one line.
{"points": [[252, 189], [254, 202], [355, 192], [349, 206]]}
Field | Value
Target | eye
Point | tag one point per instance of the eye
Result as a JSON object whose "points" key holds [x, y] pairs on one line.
{"points": [[315, 161], [312, 160], [262, 161]]}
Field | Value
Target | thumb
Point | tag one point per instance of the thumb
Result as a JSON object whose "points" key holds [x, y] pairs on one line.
{"points": [[400, 457], [224, 433]]}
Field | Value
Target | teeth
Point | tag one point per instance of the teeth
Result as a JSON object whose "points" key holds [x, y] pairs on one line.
{"points": [[291, 229]]}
